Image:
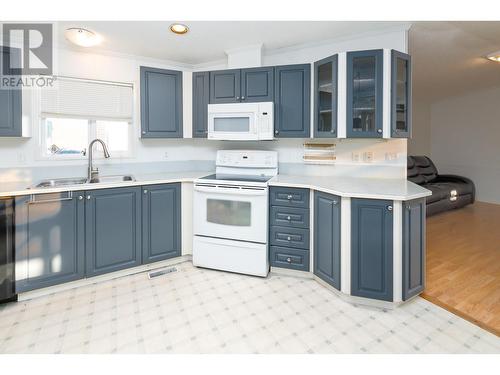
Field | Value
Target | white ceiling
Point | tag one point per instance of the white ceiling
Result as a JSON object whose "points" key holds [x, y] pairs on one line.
{"points": [[448, 58], [207, 40]]}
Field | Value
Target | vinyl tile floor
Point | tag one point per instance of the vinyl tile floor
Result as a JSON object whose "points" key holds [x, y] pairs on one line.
{"points": [[196, 310]]}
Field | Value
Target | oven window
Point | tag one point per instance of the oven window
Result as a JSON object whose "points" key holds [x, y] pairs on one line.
{"points": [[232, 124], [227, 212]]}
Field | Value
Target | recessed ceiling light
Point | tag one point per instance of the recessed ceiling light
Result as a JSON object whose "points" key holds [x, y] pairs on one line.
{"points": [[179, 28], [82, 37], [494, 56]]}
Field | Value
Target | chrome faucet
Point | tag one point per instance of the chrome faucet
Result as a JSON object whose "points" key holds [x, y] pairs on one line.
{"points": [[93, 173]]}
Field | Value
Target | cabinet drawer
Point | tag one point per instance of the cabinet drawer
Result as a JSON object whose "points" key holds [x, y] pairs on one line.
{"points": [[295, 259], [289, 197], [290, 217], [290, 237]]}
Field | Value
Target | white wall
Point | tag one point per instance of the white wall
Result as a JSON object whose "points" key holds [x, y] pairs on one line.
{"points": [[23, 152], [465, 134], [420, 142]]}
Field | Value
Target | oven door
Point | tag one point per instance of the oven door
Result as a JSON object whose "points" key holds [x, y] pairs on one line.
{"points": [[230, 212], [234, 122]]}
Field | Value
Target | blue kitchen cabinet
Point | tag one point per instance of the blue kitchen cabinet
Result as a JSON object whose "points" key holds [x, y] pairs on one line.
{"points": [[364, 94], [257, 84], [161, 103], [10, 101], [372, 249], [400, 95], [325, 97], [49, 236], [201, 97], [327, 238], [161, 222], [413, 248], [112, 229], [225, 86], [292, 98]]}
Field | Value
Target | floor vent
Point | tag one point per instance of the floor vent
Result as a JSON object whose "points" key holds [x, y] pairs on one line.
{"points": [[162, 272]]}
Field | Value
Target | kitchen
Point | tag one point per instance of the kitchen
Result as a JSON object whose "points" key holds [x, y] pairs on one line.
{"points": [[261, 168]]}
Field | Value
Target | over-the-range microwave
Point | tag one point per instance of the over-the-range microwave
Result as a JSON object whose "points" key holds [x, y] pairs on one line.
{"points": [[241, 121]]}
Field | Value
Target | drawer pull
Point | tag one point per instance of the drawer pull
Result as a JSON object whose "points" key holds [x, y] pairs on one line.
{"points": [[289, 197], [335, 202], [289, 218], [389, 208], [289, 238], [289, 260]]}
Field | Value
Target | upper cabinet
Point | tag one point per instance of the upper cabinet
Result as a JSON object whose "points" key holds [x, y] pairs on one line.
{"points": [[161, 103], [364, 94], [242, 85], [400, 95], [10, 103], [325, 97], [292, 99], [201, 94]]}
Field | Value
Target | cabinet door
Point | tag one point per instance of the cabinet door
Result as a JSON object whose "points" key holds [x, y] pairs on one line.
{"points": [[292, 93], [161, 222], [225, 86], [161, 103], [49, 237], [112, 229], [10, 102], [365, 94], [413, 248], [325, 97], [400, 95], [371, 248], [327, 238], [257, 84], [201, 95]]}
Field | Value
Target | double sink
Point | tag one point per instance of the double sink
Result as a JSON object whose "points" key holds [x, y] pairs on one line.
{"points": [[60, 182]]}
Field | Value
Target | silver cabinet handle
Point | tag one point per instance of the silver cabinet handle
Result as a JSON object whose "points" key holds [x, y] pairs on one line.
{"points": [[237, 98], [276, 131], [242, 98], [335, 202], [80, 197], [289, 260], [33, 199], [88, 197], [379, 131], [389, 208], [289, 197], [289, 238], [144, 132], [145, 191], [289, 218]]}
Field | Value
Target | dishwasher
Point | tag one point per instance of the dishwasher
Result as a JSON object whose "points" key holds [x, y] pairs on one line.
{"points": [[7, 280]]}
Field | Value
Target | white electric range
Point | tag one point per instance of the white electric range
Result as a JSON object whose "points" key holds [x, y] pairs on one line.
{"points": [[230, 213]]}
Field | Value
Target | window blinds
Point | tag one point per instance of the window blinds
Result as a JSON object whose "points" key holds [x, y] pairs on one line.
{"points": [[80, 98]]}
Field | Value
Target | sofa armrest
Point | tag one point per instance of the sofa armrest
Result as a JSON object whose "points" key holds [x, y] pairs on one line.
{"points": [[456, 178]]}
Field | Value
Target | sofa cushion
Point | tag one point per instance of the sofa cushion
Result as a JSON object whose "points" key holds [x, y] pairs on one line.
{"points": [[412, 173], [425, 168], [438, 192]]}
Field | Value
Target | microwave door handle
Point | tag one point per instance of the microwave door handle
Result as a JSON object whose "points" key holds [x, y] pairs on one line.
{"points": [[246, 192]]}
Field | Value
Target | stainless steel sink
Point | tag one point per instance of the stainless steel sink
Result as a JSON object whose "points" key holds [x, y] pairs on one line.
{"points": [[60, 182], [112, 179]]}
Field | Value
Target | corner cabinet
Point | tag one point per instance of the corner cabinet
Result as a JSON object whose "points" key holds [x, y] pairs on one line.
{"points": [[201, 96], [161, 222], [413, 248], [327, 238], [161, 103], [50, 243], [365, 79], [292, 101], [400, 95], [112, 229], [10, 102], [372, 248], [325, 97]]}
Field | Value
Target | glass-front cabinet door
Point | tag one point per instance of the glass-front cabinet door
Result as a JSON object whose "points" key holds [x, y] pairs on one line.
{"points": [[364, 94], [400, 95], [325, 97]]}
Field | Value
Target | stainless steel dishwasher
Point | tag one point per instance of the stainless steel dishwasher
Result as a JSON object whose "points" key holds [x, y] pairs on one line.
{"points": [[7, 280]]}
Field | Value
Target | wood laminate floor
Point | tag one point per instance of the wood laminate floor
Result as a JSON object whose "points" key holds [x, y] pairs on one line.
{"points": [[463, 263]]}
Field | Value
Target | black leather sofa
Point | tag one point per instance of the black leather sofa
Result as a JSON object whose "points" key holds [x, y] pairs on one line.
{"points": [[448, 191]]}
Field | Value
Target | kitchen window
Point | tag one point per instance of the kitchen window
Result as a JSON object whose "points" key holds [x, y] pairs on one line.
{"points": [[77, 111]]}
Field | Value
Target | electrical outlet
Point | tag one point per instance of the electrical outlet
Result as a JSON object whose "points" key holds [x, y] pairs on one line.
{"points": [[355, 156], [368, 156], [391, 156]]}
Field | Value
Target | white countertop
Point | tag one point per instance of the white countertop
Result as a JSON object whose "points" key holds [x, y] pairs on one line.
{"points": [[392, 189], [375, 188]]}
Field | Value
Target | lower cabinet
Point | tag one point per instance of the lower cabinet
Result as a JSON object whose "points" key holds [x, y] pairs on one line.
{"points": [[112, 229], [49, 239], [372, 249], [413, 248], [161, 222], [327, 238]]}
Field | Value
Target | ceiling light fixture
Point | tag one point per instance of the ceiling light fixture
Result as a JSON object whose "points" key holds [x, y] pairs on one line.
{"points": [[494, 56], [82, 37], [179, 28]]}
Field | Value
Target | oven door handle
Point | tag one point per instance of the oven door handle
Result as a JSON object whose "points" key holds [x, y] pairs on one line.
{"points": [[237, 191]]}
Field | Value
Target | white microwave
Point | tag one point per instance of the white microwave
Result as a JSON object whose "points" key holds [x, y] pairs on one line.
{"points": [[241, 121]]}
